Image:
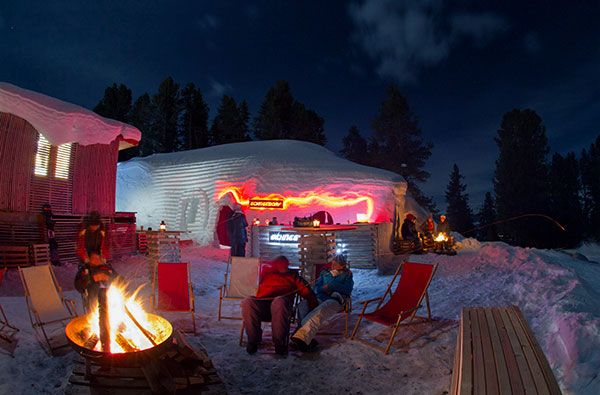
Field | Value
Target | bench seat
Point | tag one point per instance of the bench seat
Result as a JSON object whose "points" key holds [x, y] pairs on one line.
{"points": [[497, 353]]}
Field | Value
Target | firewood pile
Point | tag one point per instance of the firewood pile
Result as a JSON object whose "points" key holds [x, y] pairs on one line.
{"points": [[181, 369]]}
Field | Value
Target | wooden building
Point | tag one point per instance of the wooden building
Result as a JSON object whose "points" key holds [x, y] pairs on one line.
{"points": [[62, 155]]}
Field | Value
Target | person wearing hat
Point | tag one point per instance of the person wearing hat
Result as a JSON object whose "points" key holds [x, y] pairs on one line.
{"points": [[274, 302], [409, 231], [236, 231], [333, 289]]}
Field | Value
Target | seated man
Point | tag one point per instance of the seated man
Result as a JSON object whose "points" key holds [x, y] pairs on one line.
{"points": [[92, 276], [333, 289], [409, 232], [273, 302]]}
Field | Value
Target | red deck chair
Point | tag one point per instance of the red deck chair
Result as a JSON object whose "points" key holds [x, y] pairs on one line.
{"points": [[403, 303], [7, 331], [172, 288]]}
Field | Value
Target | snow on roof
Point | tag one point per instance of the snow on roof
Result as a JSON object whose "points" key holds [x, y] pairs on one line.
{"points": [[272, 156], [61, 122]]}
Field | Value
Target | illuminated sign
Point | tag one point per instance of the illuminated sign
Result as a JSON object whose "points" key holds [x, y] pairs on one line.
{"points": [[283, 238], [263, 203]]}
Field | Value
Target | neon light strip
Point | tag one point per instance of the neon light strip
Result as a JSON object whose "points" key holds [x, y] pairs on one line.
{"points": [[331, 201]]}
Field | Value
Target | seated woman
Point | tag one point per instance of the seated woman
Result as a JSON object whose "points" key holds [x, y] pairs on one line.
{"points": [[333, 289]]}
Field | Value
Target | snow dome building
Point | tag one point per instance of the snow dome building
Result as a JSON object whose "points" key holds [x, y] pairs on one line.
{"points": [[194, 190], [56, 154]]}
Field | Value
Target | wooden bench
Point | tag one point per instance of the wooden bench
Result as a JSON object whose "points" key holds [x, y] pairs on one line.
{"points": [[14, 256], [497, 353]]}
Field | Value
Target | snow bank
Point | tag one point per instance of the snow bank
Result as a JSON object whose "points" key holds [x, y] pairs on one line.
{"points": [[62, 122]]}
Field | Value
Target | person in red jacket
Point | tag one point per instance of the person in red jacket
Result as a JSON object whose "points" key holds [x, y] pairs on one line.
{"points": [[274, 302], [92, 238]]}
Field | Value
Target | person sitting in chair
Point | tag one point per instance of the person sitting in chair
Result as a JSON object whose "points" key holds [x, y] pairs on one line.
{"points": [[333, 289], [92, 276], [274, 302]]}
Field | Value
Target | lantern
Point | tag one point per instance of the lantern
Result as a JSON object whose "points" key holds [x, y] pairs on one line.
{"points": [[316, 223], [163, 226], [361, 218], [256, 222]]}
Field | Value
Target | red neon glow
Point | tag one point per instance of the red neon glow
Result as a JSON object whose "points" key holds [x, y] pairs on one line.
{"points": [[309, 198]]}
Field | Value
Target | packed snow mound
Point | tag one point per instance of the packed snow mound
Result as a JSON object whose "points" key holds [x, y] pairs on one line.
{"points": [[61, 122], [271, 156], [187, 189]]}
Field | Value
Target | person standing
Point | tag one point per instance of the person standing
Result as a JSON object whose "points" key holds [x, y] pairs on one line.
{"points": [[92, 239], [236, 231]]}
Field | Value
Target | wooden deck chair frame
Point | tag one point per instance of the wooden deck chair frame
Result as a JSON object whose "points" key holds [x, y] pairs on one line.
{"points": [[229, 291], [37, 316], [7, 331], [396, 325], [192, 299]]}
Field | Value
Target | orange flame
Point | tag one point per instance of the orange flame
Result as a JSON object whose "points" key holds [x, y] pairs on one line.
{"points": [[122, 325], [325, 199]]}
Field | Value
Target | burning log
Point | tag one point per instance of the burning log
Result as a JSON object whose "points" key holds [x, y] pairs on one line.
{"points": [[141, 328], [91, 342], [124, 343], [104, 319]]}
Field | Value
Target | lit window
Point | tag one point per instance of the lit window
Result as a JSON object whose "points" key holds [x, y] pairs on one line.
{"points": [[63, 157], [42, 157]]}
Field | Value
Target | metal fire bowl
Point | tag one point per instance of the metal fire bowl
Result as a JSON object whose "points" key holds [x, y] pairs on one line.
{"points": [[78, 331]]}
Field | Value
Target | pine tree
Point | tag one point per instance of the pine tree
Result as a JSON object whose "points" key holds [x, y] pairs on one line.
{"points": [[521, 177], [140, 116], [486, 217], [590, 179], [274, 118], [282, 117], [397, 144], [165, 124], [230, 125], [115, 104], [458, 212], [565, 205], [355, 146], [194, 118], [307, 125]]}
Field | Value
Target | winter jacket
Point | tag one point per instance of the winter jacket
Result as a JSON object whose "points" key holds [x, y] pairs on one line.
{"points": [[84, 279], [409, 230], [275, 283], [236, 228], [89, 241], [444, 227], [428, 227], [342, 283]]}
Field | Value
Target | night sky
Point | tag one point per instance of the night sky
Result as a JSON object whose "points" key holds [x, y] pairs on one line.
{"points": [[461, 64]]}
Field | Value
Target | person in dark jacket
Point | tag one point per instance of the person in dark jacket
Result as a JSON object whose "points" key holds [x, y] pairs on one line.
{"points": [[93, 276], [333, 289], [236, 231], [92, 239], [274, 302], [409, 231], [444, 226]]}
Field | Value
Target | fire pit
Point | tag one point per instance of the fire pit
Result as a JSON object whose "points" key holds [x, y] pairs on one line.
{"points": [[119, 332]]}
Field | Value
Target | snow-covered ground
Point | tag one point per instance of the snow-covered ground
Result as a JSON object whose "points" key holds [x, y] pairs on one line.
{"points": [[558, 293]]}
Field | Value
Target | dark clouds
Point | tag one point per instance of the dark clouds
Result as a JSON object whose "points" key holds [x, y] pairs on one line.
{"points": [[462, 64]]}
